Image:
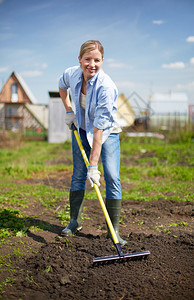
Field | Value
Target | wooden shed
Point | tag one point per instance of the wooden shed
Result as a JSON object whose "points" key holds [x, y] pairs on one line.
{"points": [[58, 131]]}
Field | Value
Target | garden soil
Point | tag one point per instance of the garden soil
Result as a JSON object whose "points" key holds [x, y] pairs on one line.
{"points": [[62, 268]]}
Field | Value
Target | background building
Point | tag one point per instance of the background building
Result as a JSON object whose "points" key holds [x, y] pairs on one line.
{"points": [[18, 108], [168, 110]]}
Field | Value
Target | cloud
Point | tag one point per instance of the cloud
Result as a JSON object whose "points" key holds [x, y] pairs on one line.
{"points": [[190, 39], [125, 84], [110, 60], [40, 65], [158, 22], [1, 1], [4, 69], [44, 66], [175, 65], [192, 61], [188, 86], [117, 65], [31, 73]]}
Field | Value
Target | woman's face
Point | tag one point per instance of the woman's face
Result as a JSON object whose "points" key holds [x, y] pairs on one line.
{"points": [[90, 63]]}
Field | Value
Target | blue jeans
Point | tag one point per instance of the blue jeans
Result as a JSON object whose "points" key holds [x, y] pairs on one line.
{"points": [[110, 156]]}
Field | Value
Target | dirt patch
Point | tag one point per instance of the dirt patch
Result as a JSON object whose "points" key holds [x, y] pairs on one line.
{"points": [[7, 140], [63, 268]]}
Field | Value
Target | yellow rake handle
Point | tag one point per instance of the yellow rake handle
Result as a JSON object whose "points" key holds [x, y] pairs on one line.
{"points": [[110, 226]]}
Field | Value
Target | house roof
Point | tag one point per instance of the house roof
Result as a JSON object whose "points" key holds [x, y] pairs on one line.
{"points": [[40, 113], [54, 94], [125, 113], [25, 87]]}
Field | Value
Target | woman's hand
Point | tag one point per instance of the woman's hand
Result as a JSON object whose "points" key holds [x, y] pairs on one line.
{"points": [[70, 119], [93, 175]]}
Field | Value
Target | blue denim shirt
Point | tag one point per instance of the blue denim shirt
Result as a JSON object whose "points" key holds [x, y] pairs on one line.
{"points": [[101, 100]]}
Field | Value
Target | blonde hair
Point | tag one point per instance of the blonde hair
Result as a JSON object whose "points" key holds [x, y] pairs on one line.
{"points": [[91, 45]]}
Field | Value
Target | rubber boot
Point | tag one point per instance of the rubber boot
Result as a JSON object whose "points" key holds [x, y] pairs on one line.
{"points": [[114, 210], [76, 206]]}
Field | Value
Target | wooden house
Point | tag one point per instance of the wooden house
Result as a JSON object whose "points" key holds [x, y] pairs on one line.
{"points": [[18, 108]]}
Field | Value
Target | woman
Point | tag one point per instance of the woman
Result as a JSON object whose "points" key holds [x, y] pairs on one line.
{"points": [[94, 95]]}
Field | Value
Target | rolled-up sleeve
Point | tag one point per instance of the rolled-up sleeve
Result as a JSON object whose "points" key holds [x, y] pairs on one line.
{"points": [[103, 117], [64, 81]]}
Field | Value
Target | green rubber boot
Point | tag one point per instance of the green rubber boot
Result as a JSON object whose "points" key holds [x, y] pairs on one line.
{"points": [[76, 206], [114, 210]]}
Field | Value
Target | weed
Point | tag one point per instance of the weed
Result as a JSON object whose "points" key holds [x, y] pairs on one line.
{"points": [[17, 252], [7, 281], [11, 222], [100, 227], [159, 227], [122, 219], [141, 222], [182, 223], [48, 269], [29, 277], [63, 214], [5, 261], [67, 242]]}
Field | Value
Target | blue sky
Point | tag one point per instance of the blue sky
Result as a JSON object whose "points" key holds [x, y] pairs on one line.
{"points": [[149, 44]]}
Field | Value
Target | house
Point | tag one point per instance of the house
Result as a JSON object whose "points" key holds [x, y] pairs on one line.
{"points": [[169, 110], [18, 108], [125, 112]]}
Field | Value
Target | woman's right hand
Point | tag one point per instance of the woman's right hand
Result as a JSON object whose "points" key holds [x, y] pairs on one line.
{"points": [[70, 119]]}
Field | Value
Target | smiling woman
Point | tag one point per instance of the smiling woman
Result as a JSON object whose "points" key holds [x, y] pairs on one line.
{"points": [[95, 99], [91, 58], [90, 63]]}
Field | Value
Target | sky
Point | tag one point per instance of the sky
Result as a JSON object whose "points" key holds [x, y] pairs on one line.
{"points": [[149, 44]]}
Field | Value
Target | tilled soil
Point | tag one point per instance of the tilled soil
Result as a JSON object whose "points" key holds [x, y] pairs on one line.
{"points": [[63, 267]]}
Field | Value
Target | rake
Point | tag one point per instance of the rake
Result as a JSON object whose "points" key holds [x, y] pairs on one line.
{"points": [[120, 255]]}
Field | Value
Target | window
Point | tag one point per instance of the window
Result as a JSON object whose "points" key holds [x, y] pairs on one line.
{"points": [[14, 92]]}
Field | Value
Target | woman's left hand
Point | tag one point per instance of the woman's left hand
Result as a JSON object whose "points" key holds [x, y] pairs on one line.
{"points": [[93, 175]]}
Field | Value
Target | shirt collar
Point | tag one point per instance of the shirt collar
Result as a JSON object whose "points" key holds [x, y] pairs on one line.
{"points": [[92, 80]]}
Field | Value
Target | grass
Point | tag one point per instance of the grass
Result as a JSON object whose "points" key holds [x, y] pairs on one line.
{"points": [[15, 223], [157, 170], [148, 165], [21, 195]]}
